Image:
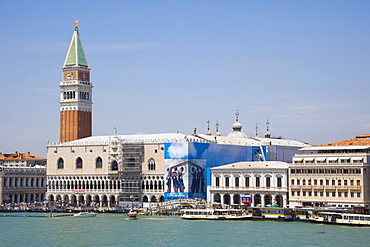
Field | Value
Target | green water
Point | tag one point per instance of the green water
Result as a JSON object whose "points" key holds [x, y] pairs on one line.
{"points": [[117, 230]]}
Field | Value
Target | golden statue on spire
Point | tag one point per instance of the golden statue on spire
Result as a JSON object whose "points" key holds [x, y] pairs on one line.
{"points": [[76, 23]]}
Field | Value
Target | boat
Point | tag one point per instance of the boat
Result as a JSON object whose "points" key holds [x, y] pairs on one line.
{"points": [[132, 215], [272, 213], [84, 214], [341, 218], [215, 214]]}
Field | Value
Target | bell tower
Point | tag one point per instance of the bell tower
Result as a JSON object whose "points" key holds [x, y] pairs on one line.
{"points": [[75, 93]]}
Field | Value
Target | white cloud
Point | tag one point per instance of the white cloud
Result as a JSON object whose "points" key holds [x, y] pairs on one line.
{"points": [[178, 150]]}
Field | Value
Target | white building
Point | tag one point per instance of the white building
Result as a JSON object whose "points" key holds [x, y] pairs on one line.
{"points": [[266, 182]]}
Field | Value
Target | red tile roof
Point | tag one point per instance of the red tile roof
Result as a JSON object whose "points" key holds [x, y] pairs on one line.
{"points": [[359, 140], [20, 156]]}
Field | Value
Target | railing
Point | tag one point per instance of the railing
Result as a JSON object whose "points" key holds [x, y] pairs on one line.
{"points": [[325, 174], [82, 191], [331, 154], [355, 187], [23, 169], [326, 187], [318, 187], [242, 188], [305, 187]]}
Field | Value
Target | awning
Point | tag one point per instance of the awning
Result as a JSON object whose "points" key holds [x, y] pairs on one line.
{"points": [[332, 158], [357, 158], [297, 159], [321, 159], [308, 159]]}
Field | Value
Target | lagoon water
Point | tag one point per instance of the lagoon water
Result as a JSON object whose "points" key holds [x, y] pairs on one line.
{"points": [[117, 230]]}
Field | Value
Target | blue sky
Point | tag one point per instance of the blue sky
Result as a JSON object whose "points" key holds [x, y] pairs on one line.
{"points": [[167, 66]]}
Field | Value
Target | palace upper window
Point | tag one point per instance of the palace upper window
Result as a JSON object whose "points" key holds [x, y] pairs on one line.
{"points": [[60, 163], [151, 164], [79, 163], [98, 163], [114, 166]]}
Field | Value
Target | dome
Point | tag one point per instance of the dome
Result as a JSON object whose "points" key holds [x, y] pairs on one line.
{"points": [[217, 133], [208, 133], [237, 126], [267, 134], [237, 134]]}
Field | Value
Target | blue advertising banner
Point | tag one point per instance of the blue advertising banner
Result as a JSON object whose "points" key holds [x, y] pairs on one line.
{"points": [[187, 165], [247, 199]]}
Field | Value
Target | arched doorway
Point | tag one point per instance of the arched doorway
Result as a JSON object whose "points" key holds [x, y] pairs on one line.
{"points": [[73, 199], [279, 200], [257, 200], [51, 198], [88, 200], [96, 200], [267, 200], [112, 201], [236, 198], [161, 199], [217, 198], [59, 198], [66, 199], [145, 199], [153, 199], [227, 199], [80, 200], [104, 201], [16, 198]]}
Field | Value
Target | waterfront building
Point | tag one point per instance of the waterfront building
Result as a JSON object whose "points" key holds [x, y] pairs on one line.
{"points": [[108, 170], [261, 184], [334, 174], [22, 178]]}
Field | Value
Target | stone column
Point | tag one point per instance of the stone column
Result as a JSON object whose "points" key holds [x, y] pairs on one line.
{"points": [[262, 200]]}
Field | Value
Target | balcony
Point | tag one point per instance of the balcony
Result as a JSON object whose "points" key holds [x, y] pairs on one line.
{"points": [[295, 187], [354, 187], [249, 188], [318, 187], [342, 187]]}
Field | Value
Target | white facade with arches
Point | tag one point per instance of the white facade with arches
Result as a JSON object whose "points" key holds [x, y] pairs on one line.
{"points": [[265, 182]]}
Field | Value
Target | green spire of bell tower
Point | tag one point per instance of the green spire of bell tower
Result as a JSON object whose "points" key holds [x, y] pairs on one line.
{"points": [[76, 55]]}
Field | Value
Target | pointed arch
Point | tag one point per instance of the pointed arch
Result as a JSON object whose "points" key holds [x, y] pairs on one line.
{"points": [[114, 166], [79, 163], [60, 163], [98, 162]]}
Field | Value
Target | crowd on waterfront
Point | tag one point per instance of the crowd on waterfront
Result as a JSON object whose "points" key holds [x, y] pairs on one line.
{"points": [[49, 206]]}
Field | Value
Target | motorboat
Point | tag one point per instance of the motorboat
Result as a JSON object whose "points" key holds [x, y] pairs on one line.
{"points": [[132, 214], [84, 214]]}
